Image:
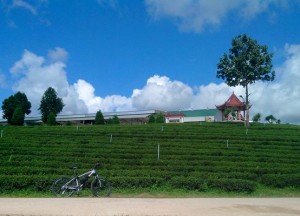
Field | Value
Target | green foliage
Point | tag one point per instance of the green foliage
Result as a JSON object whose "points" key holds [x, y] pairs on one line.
{"points": [[156, 118], [50, 103], [192, 158], [246, 63], [99, 119], [257, 117], [51, 119], [271, 119], [233, 185], [151, 119], [11, 103], [160, 118], [229, 111], [18, 117], [114, 120]]}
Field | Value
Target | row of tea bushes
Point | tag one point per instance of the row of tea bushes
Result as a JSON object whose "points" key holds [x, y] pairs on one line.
{"points": [[192, 156]]}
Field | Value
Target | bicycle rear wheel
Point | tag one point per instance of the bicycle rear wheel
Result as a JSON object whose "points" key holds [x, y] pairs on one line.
{"points": [[64, 187], [101, 187]]}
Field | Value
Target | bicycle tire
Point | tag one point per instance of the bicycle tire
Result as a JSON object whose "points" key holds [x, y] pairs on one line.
{"points": [[101, 187], [64, 186]]}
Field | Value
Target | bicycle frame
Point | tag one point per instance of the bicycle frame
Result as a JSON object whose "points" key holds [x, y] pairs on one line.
{"points": [[78, 185]]}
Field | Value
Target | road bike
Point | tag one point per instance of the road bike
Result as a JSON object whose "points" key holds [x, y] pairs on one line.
{"points": [[65, 186]]}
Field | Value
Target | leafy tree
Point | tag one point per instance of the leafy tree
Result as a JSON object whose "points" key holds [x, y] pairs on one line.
{"points": [[151, 119], [18, 117], [246, 63], [160, 118], [10, 104], [256, 117], [114, 120], [50, 103], [270, 119], [51, 119], [99, 119]]}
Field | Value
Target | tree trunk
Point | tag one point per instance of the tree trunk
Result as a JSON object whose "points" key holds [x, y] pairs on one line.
{"points": [[247, 108]]}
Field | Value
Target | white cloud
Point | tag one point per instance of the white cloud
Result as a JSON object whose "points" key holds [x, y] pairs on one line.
{"points": [[195, 15], [214, 94], [162, 93], [25, 5], [35, 74], [58, 54], [280, 98]]}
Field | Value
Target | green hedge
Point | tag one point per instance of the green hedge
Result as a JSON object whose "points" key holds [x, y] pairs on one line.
{"points": [[193, 156]]}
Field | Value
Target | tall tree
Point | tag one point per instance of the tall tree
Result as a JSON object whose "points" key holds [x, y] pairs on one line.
{"points": [[99, 119], [246, 63], [50, 103], [10, 104]]}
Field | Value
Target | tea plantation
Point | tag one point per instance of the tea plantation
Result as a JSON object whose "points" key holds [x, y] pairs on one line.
{"points": [[193, 157]]}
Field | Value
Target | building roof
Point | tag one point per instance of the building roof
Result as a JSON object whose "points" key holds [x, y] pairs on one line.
{"points": [[196, 113], [91, 116], [232, 101], [174, 115]]}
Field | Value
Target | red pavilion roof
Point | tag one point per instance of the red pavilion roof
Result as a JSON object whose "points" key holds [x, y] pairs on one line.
{"points": [[232, 101]]}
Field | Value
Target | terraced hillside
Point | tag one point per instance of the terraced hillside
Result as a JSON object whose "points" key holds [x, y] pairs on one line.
{"points": [[198, 157]]}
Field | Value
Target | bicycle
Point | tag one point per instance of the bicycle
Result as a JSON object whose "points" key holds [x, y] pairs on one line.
{"points": [[65, 186]]}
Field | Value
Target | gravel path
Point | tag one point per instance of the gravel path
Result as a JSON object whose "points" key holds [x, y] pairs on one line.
{"points": [[149, 206]]}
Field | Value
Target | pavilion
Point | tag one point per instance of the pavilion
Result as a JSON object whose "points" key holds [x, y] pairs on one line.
{"points": [[237, 106]]}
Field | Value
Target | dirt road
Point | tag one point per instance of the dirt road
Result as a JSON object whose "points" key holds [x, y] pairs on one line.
{"points": [[149, 206]]}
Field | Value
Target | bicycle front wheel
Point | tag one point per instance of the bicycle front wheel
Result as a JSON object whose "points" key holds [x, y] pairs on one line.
{"points": [[64, 187], [101, 187]]}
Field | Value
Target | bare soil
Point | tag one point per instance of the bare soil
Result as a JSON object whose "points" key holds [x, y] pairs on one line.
{"points": [[149, 206]]}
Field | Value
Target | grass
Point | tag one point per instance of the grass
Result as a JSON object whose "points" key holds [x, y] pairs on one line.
{"points": [[261, 192]]}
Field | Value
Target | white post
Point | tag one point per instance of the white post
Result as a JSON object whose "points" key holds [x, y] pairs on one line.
{"points": [[110, 138], [162, 128], [157, 151], [1, 133], [227, 143], [77, 128], [247, 131]]}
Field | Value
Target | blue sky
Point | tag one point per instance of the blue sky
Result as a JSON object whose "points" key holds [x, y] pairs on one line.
{"points": [[118, 55]]}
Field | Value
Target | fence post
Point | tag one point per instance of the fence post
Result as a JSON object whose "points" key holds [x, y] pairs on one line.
{"points": [[1, 133], [110, 138], [227, 143], [157, 151]]}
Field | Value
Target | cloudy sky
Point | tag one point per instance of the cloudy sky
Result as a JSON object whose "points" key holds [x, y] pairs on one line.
{"points": [[122, 55]]}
